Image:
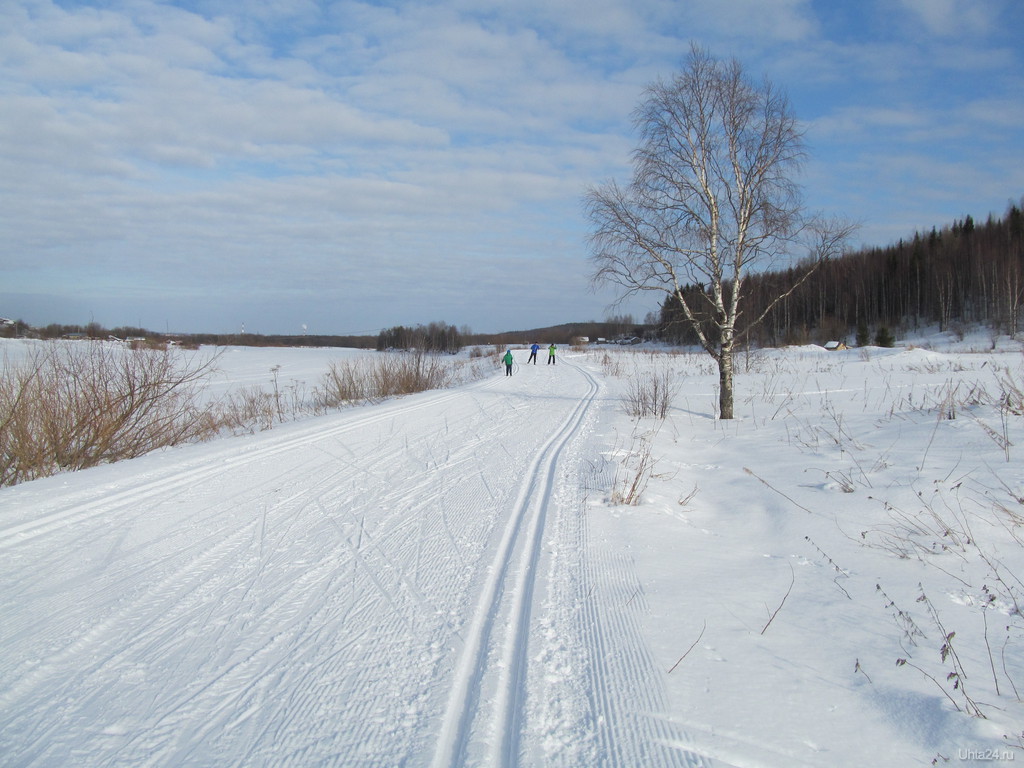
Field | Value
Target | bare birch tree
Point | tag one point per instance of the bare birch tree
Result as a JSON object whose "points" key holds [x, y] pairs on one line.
{"points": [[712, 196]]}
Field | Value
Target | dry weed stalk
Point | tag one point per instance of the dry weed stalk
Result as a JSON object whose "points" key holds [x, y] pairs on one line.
{"points": [[957, 676], [634, 473], [903, 620], [784, 598]]}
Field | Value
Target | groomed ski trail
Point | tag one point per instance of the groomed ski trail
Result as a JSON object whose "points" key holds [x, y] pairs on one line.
{"points": [[404, 584], [494, 657]]}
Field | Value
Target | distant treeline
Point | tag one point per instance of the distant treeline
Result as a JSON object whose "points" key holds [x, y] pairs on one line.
{"points": [[966, 273], [438, 337], [297, 340], [123, 333], [433, 337]]}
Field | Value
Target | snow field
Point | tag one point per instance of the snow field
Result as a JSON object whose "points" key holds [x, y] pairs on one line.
{"points": [[444, 580], [839, 483], [354, 589]]}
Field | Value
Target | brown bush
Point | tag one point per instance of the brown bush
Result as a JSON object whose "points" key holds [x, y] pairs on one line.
{"points": [[366, 380], [72, 406]]}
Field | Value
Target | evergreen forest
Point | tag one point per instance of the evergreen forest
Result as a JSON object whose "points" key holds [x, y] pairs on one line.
{"points": [[964, 274]]}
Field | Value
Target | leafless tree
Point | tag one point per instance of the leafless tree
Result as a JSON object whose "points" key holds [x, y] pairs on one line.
{"points": [[712, 197]]}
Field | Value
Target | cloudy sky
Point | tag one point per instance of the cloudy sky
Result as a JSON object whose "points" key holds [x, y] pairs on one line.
{"points": [[346, 166]]}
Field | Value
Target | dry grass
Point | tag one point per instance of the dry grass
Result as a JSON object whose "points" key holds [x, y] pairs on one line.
{"points": [[635, 470], [368, 380]]}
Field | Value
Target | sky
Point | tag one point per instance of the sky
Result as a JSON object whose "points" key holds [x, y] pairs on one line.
{"points": [[342, 167]]}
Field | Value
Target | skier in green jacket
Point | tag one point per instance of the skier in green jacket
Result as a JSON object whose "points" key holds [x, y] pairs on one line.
{"points": [[508, 360], [551, 354]]}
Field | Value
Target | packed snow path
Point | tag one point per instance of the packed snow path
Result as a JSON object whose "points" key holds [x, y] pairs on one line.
{"points": [[402, 584]]}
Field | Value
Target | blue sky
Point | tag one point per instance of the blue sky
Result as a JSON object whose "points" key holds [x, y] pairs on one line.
{"points": [[349, 166]]}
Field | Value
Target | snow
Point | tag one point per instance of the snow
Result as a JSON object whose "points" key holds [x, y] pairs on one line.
{"points": [[444, 579]]}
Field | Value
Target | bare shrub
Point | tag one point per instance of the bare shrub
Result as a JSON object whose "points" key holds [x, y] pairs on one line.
{"points": [[405, 374], [345, 383], [367, 380], [247, 410], [651, 393], [72, 406], [612, 366]]}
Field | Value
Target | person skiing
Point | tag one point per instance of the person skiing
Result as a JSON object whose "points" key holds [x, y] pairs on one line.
{"points": [[533, 353], [508, 359], [551, 354]]}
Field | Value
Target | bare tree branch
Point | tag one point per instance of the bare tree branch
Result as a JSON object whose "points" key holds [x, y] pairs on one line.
{"points": [[712, 197]]}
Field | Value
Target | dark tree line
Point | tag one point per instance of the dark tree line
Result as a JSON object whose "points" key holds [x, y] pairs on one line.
{"points": [[966, 273], [435, 337], [612, 327], [58, 330]]}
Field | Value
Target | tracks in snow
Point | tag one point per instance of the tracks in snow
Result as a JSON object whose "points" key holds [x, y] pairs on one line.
{"points": [[161, 486], [357, 590], [483, 721], [406, 585]]}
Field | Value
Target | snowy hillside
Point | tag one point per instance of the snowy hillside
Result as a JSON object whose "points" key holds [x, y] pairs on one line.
{"points": [[454, 578]]}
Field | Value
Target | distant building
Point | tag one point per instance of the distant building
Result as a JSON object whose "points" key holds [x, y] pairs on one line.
{"points": [[832, 346]]}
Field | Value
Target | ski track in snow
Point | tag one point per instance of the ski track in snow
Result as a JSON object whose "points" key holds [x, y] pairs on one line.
{"points": [[396, 585]]}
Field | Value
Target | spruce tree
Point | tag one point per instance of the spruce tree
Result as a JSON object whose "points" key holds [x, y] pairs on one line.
{"points": [[863, 334]]}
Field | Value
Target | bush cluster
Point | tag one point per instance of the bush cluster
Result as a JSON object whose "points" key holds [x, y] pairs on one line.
{"points": [[72, 406], [388, 375]]}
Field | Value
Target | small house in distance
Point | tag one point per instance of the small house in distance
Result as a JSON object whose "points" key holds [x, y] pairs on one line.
{"points": [[832, 346]]}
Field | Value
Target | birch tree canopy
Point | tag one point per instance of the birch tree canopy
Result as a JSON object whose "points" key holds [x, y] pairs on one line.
{"points": [[713, 196]]}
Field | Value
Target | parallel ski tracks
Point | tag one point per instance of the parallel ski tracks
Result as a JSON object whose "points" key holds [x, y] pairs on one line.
{"points": [[487, 697], [324, 623], [317, 619]]}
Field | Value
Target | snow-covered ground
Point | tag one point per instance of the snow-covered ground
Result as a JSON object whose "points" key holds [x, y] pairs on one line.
{"points": [[446, 579]]}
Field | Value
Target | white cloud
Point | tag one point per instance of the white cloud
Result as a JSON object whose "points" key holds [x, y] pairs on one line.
{"points": [[954, 17], [743, 22], [309, 148]]}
